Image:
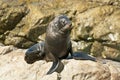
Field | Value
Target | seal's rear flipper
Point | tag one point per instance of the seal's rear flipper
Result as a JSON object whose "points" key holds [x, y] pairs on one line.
{"points": [[83, 56], [56, 67]]}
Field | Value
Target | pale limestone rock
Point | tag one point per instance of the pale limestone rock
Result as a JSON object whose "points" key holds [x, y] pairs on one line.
{"points": [[13, 67], [6, 49]]}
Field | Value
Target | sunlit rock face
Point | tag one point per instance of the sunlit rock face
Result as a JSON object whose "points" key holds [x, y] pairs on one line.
{"points": [[14, 67]]}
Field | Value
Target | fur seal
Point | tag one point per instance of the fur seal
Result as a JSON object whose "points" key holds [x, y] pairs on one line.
{"points": [[57, 42], [38, 52]]}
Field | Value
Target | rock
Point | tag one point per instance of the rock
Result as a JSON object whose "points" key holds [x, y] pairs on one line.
{"points": [[6, 49], [96, 31], [13, 67], [1, 44], [97, 49], [87, 72], [29, 29], [99, 24], [81, 46], [10, 16], [111, 53]]}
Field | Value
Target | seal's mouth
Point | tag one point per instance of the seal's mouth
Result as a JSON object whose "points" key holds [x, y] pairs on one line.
{"points": [[29, 60], [32, 59], [68, 27]]}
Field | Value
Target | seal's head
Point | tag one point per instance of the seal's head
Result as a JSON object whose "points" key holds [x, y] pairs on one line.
{"points": [[61, 22], [34, 53]]}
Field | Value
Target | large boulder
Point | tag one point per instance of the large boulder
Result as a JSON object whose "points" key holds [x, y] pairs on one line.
{"points": [[30, 29], [13, 67], [10, 16], [99, 25], [6, 49], [96, 24]]}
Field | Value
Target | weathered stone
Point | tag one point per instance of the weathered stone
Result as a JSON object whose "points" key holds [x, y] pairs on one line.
{"points": [[10, 16], [81, 46], [6, 49], [100, 24], [97, 49], [29, 29], [112, 53], [13, 67], [96, 31], [88, 72]]}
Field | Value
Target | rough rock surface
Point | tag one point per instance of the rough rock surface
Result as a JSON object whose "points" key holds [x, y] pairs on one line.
{"points": [[10, 16], [100, 25], [13, 67], [6, 49], [96, 23], [96, 31]]}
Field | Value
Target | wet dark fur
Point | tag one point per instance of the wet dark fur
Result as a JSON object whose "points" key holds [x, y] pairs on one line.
{"points": [[57, 41]]}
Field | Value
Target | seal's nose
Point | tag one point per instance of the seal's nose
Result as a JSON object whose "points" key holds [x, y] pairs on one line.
{"points": [[71, 24]]}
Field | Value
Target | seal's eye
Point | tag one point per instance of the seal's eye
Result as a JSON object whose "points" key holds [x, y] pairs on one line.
{"points": [[63, 21]]}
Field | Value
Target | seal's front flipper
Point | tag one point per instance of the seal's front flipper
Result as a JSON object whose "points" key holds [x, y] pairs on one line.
{"points": [[70, 50], [57, 66]]}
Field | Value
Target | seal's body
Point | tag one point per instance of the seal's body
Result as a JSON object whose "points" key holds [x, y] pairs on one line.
{"points": [[57, 42]]}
